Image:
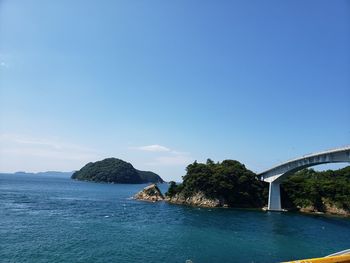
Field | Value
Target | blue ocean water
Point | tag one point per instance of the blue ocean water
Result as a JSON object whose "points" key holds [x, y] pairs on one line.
{"points": [[52, 219]]}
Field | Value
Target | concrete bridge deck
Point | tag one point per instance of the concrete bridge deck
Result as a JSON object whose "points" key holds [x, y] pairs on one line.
{"points": [[276, 174]]}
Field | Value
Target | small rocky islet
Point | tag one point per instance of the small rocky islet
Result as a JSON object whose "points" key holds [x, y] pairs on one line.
{"points": [[150, 193], [153, 194]]}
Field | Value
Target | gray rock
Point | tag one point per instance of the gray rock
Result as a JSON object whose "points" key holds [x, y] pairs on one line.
{"points": [[150, 193], [197, 199]]}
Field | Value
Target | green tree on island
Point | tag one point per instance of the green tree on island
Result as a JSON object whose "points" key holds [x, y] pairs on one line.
{"points": [[232, 182]]}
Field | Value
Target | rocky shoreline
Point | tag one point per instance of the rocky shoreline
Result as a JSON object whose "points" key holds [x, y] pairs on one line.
{"points": [[329, 209], [198, 199], [152, 193]]}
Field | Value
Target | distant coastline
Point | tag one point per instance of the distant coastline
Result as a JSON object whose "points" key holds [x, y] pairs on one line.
{"points": [[46, 173]]}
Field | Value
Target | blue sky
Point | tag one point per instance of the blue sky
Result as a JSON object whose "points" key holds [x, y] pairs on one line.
{"points": [[163, 83]]}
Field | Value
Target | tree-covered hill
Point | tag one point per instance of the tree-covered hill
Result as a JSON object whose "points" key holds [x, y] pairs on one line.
{"points": [[309, 188], [113, 170], [149, 177], [229, 181]]}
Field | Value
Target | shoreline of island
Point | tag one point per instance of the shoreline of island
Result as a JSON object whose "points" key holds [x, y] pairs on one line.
{"points": [[229, 184], [207, 203]]}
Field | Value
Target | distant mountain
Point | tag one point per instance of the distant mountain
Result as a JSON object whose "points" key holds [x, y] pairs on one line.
{"points": [[55, 173], [113, 170], [150, 177], [47, 173]]}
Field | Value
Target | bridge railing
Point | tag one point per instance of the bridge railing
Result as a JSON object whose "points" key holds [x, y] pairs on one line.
{"points": [[338, 149]]}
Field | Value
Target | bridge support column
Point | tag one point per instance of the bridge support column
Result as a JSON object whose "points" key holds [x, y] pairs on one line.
{"points": [[274, 197]]}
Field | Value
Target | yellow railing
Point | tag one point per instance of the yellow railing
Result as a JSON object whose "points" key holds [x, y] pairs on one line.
{"points": [[333, 259]]}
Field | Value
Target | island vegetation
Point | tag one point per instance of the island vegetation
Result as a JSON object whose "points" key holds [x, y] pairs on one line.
{"points": [[231, 184], [318, 191], [113, 170], [228, 183]]}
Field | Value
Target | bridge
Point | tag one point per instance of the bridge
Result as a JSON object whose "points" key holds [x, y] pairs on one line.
{"points": [[276, 174]]}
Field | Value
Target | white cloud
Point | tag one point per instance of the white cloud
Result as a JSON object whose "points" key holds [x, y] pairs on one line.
{"points": [[3, 64], [18, 152], [153, 148]]}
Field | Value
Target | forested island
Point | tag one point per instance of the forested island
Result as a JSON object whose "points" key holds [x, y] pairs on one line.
{"points": [[225, 184], [113, 170], [231, 184], [312, 191]]}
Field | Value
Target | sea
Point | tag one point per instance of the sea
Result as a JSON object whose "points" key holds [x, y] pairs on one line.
{"points": [[48, 218]]}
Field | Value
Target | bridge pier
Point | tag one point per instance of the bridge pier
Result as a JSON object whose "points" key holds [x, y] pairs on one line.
{"points": [[274, 197]]}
